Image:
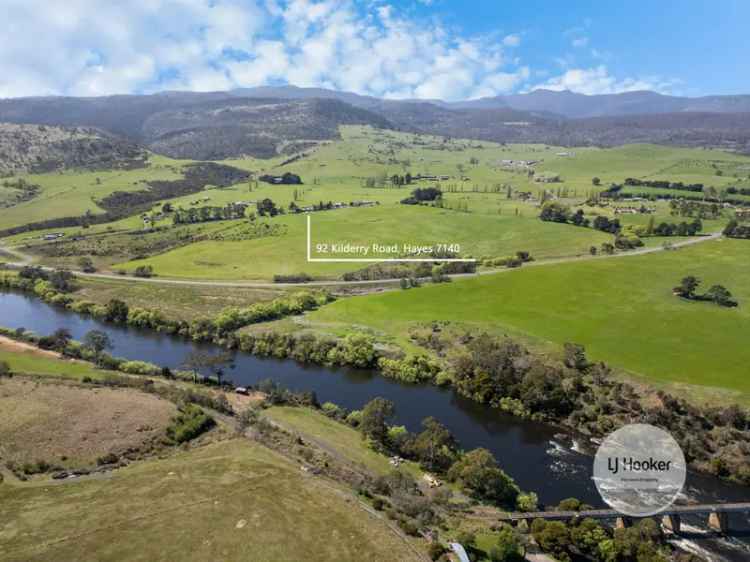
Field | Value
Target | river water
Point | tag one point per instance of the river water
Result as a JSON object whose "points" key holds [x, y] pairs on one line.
{"points": [[528, 451]]}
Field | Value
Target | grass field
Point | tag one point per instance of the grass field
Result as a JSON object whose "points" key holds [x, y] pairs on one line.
{"points": [[228, 501], [25, 359], [72, 193], [479, 215], [36, 422], [622, 310], [344, 441], [174, 301], [478, 235]]}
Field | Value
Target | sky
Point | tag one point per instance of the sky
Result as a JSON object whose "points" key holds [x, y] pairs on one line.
{"points": [[427, 49]]}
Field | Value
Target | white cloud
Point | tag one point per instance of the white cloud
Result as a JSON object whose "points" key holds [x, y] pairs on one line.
{"points": [[597, 80], [512, 40], [580, 41], [87, 47]]}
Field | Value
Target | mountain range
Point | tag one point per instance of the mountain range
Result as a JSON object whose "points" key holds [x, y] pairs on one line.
{"points": [[270, 120]]}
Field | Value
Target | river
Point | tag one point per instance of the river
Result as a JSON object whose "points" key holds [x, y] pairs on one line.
{"points": [[526, 450]]}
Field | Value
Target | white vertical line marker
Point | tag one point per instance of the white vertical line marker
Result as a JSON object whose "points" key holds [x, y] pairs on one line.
{"points": [[309, 242]]}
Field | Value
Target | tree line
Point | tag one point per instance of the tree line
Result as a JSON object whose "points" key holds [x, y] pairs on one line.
{"points": [[209, 213]]}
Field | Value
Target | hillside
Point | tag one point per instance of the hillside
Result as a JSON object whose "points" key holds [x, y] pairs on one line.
{"points": [[197, 126], [254, 127], [573, 105], [39, 149], [267, 121]]}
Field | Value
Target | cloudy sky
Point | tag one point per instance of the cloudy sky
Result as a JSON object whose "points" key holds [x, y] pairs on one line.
{"points": [[447, 49]]}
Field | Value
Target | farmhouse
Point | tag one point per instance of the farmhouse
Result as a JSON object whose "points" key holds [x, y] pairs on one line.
{"points": [[287, 179], [548, 178], [742, 214]]}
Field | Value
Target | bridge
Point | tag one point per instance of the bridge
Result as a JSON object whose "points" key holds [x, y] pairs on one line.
{"points": [[718, 515]]}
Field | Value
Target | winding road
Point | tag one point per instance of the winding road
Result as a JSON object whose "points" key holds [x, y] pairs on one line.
{"points": [[24, 260]]}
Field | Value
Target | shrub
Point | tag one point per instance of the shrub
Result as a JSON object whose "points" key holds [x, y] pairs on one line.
{"points": [[294, 278], [109, 458], [190, 422], [140, 368], [144, 271]]}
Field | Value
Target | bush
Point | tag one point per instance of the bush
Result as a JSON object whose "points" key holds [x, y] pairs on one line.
{"points": [[109, 458], [140, 368], [145, 271], [190, 422], [294, 278], [5, 370]]}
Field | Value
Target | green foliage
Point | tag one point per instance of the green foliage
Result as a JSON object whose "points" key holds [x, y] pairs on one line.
{"points": [[140, 368], [434, 447], [527, 501], [552, 537], [479, 472], [507, 547], [232, 319], [376, 416], [190, 422], [413, 369]]}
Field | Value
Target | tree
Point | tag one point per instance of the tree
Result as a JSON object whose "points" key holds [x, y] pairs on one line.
{"points": [[97, 341], [86, 264], [575, 356], [688, 286], [721, 296], [376, 415], [527, 502], [144, 271], [553, 211], [435, 446], [552, 537], [199, 360], [267, 207], [117, 311], [508, 546], [5, 370], [596, 181], [62, 280], [479, 473], [58, 340]]}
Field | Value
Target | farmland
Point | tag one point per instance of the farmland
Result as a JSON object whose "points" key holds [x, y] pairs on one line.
{"points": [[489, 207], [231, 500], [622, 310]]}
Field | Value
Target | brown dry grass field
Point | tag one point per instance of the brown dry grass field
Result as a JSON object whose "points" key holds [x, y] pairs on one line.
{"points": [[73, 426], [231, 501], [174, 301]]}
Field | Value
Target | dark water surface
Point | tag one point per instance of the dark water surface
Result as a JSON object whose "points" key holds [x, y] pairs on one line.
{"points": [[528, 451]]}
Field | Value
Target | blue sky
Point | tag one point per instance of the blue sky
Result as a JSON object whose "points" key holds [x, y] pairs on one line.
{"points": [[704, 45], [446, 49]]}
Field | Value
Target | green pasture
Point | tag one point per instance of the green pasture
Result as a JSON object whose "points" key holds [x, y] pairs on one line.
{"points": [[621, 309], [479, 235], [35, 363], [73, 192]]}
